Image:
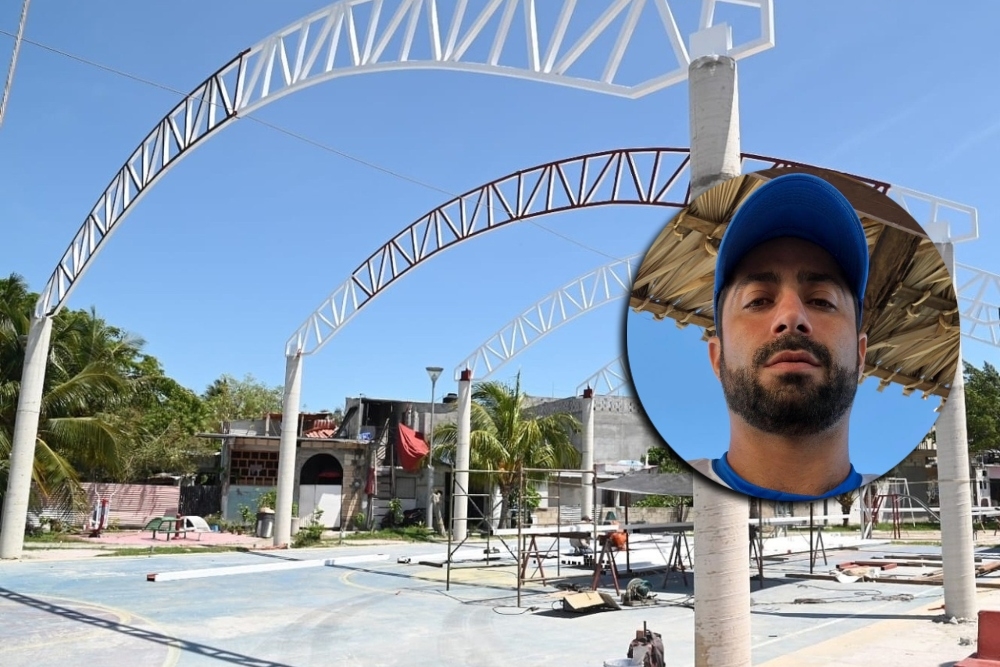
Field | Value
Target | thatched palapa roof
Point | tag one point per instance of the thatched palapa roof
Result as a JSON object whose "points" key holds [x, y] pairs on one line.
{"points": [[910, 313]]}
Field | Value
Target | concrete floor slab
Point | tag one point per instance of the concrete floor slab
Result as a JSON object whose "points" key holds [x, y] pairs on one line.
{"points": [[103, 611]]}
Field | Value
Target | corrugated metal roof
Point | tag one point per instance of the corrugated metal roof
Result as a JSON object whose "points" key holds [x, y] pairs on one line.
{"points": [[135, 504]]}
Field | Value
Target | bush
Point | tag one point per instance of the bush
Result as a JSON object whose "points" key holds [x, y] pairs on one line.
{"points": [[267, 499], [659, 501], [308, 535]]}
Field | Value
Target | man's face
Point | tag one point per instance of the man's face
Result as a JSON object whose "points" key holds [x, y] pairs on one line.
{"points": [[791, 357]]}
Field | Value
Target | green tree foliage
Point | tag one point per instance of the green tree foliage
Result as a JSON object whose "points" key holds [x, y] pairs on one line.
{"points": [[982, 407], [507, 437], [165, 424], [665, 460], [93, 372], [109, 412], [228, 399]]}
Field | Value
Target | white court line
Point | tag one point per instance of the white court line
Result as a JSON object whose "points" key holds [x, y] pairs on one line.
{"points": [[262, 567], [841, 619]]}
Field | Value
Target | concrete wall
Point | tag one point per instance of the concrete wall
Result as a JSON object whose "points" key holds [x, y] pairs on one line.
{"points": [[621, 430], [237, 495]]}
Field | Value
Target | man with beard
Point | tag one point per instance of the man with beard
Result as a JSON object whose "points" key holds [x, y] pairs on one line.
{"points": [[790, 281]]}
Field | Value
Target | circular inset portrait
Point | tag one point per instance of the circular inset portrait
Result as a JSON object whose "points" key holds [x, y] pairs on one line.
{"points": [[812, 315]]}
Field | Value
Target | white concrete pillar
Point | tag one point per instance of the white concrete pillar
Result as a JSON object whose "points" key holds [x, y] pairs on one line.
{"points": [[721, 576], [954, 490], [22, 450], [287, 449], [721, 517], [587, 456], [715, 122], [460, 497], [463, 446]]}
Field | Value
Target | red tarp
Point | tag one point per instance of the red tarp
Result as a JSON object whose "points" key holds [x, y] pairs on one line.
{"points": [[411, 449]]}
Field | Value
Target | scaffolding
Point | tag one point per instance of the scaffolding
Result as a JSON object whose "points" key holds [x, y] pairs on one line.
{"points": [[525, 549]]}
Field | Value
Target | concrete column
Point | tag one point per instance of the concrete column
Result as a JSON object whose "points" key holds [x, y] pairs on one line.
{"points": [[460, 496], [721, 576], [22, 450], [721, 517], [715, 122], [954, 489], [287, 450], [587, 458]]}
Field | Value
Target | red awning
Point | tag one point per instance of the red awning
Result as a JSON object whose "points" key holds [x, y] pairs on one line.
{"points": [[411, 449]]}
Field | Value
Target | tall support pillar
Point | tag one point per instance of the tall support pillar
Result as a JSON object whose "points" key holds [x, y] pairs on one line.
{"points": [[463, 445], [22, 451], [721, 576], [721, 517], [287, 450], [954, 489], [587, 458]]}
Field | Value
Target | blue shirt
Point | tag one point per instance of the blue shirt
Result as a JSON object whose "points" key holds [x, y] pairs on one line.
{"points": [[721, 468]]}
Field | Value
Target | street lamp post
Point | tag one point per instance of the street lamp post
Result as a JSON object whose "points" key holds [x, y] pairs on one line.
{"points": [[434, 372]]}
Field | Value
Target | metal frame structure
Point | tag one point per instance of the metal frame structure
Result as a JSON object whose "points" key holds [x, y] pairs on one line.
{"points": [[321, 46], [982, 315], [604, 285], [976, 319], [642, 176], [609, 380], [343, 39], [633, 176]]}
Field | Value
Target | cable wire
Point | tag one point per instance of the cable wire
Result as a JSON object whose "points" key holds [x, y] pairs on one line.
{"points": [[282, 130], [13, 60]]}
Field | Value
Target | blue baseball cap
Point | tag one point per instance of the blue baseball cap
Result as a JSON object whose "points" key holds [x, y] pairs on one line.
{"points": [[802, 206]]}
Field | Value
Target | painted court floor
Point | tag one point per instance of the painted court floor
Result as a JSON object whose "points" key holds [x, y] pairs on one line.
{"points": [[378, 611]]}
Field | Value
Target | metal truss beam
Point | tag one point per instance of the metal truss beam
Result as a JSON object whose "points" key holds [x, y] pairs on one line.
{"points": [[362, 36], [944, 221], [645, 177], [610, 283], [611, 379], [979, 304], [979, 309]]}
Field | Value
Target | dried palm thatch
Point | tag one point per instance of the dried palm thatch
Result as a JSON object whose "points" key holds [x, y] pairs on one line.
{"points": [[911, 311]]}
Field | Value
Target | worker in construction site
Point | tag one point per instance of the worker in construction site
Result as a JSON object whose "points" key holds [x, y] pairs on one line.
{"points": [[790, 279]]}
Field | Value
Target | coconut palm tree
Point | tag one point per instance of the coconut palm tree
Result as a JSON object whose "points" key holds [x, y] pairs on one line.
{"points": [[92, 371], [507, 437]]}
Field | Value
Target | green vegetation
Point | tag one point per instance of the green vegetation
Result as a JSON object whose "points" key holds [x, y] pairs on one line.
{"points": [[665, 460], [51, 538], [982, 407], [407, 534], [109, 413], [162, 551], [228, 398], [507, 437], [311, 534], [660, 501]]}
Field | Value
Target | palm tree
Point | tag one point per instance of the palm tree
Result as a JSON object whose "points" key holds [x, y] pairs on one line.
{"points": [[506, 438], [92, 371]]}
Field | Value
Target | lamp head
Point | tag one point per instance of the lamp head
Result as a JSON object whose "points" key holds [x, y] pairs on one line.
{"points": [[434, 372]]}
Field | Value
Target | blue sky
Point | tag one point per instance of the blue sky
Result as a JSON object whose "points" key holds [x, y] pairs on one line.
{"points": [[234, 248]]}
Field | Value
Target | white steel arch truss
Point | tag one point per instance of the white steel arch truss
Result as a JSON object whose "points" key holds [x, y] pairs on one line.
{"points": [[611, 379], [606, 284], [362, 36], [645, 177], [979, 303], [636, 176], [979, 315]]}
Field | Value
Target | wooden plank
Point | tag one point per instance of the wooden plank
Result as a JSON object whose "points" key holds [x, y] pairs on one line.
{"points": [[880, 564], [894, 580]]}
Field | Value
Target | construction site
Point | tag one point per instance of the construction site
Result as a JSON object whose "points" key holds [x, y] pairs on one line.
{"points": [[905, 571]]}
